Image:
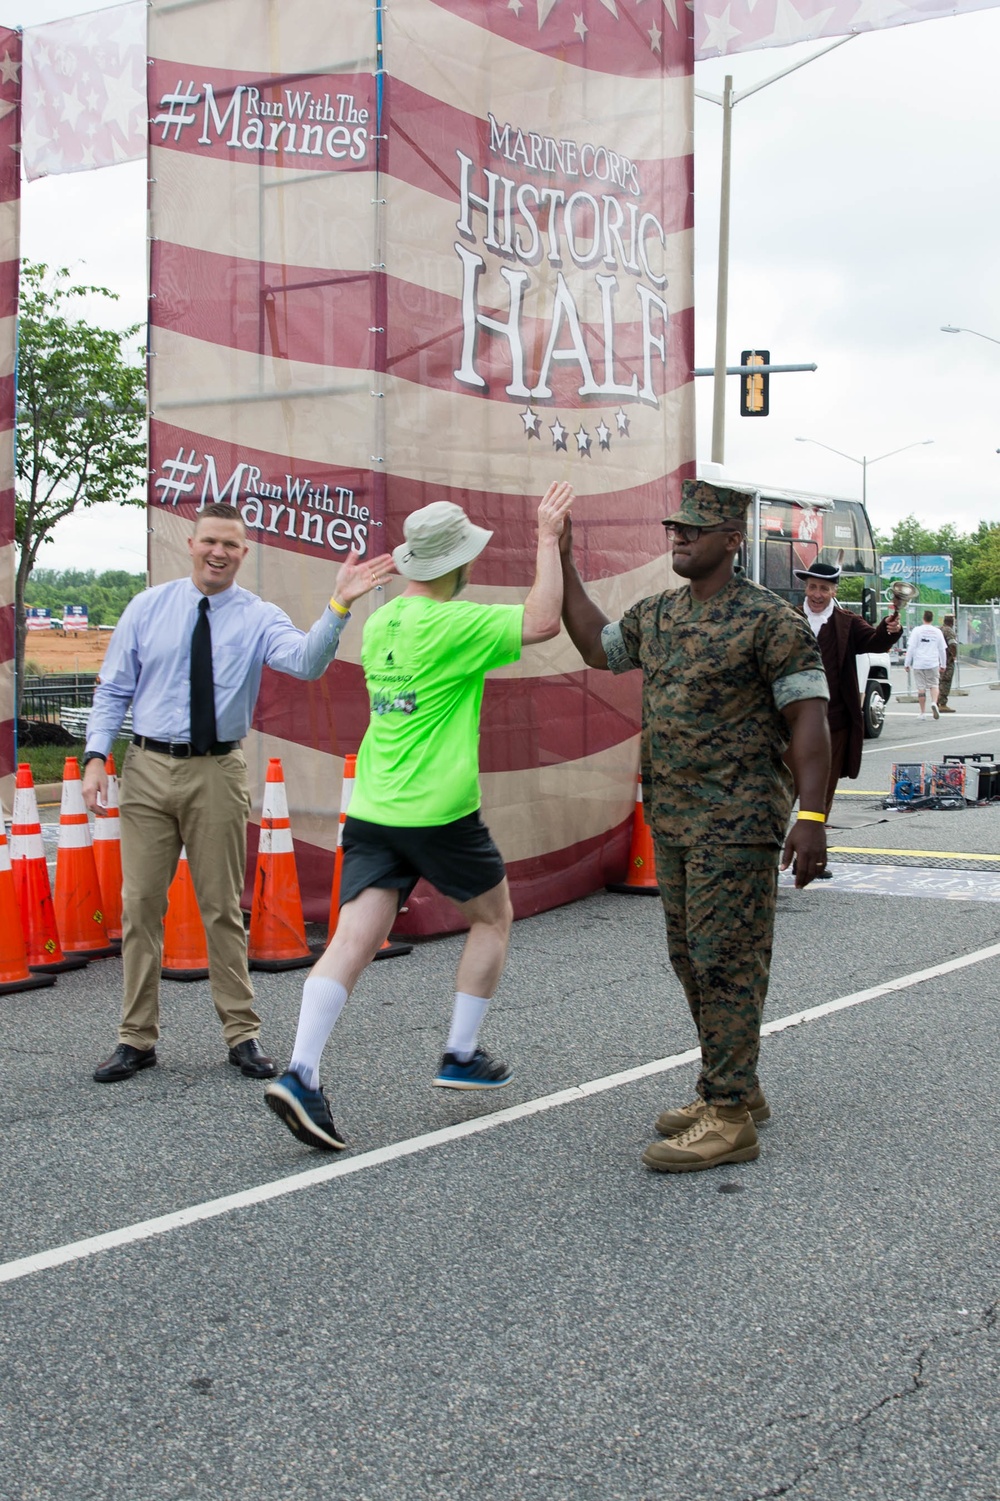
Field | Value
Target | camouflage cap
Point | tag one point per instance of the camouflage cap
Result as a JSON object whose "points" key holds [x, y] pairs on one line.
{"points": [[703, 504]]}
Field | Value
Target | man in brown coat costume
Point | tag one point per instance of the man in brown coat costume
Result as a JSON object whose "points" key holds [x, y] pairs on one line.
{"points": [[840, 635]]}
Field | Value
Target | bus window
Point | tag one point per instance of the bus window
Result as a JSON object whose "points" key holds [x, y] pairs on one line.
{"points": [[847, 531], [778, 567]]}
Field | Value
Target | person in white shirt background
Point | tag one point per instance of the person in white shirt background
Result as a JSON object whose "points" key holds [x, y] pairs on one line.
{"points": [[926, 654]]}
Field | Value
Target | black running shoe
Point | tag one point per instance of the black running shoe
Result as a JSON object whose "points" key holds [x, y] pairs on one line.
{"points": [[306, 1112], [479, 1072]]}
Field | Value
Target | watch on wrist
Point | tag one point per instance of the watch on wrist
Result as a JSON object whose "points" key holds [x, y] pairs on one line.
{"points": [[94, 756]]}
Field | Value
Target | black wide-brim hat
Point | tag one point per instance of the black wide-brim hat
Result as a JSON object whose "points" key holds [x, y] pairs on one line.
{"points": [[828, 572]]}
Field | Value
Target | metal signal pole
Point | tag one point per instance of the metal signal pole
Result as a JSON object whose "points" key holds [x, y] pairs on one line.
{"points": [[728, 100]]}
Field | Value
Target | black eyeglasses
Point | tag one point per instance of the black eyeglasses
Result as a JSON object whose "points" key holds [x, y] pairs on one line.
{"points": [[692, 533]]}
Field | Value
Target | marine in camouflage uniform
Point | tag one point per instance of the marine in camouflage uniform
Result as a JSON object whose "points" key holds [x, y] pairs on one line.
{"points": [[724, 677], [948, 670]]}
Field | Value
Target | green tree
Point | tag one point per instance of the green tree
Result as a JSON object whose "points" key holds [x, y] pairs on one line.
{"points": [[975, 556], [908, 535], [977, 579], [80, 418], [105, 594]]}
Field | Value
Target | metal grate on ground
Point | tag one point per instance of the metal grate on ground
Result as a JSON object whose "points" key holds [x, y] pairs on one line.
{"points": [[958, 860]]}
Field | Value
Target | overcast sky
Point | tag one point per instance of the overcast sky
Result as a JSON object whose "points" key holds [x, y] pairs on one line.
{"points": [[865, 214]]}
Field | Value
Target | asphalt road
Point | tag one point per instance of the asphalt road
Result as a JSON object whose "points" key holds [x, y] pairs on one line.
{"points": [[524, 1311]]}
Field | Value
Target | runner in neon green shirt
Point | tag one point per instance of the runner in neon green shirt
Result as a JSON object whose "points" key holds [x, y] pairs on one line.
{"points": [[415, 809], [424, 662]]}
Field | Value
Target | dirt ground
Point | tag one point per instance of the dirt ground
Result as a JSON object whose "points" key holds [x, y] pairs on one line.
{"points": [[76, 651]]}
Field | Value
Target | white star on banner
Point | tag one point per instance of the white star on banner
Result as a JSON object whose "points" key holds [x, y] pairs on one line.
{"points": [[72, 108], [532, 422], [559, 434], [580, 26], [516, 6], [583, 442], [791, 26], [654, 37], [603, 434], [621, 417], [8, 69], [719, 33]]}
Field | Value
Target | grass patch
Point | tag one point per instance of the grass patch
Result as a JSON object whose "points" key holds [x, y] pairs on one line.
{"points": [[47, 761]]}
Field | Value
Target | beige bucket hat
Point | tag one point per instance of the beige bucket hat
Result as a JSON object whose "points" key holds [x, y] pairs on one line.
{"points": [[439, 537]]}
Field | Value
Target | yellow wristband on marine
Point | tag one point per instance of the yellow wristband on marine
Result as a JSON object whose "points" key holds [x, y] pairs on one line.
{"points": [[813, 817], [338, 609]]}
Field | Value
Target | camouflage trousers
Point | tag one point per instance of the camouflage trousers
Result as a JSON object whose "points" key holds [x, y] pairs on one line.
{"points": [[719, 902], [944, 684]]}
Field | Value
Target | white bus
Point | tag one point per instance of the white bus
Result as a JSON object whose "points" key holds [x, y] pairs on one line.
{"points": [[789, 529]]}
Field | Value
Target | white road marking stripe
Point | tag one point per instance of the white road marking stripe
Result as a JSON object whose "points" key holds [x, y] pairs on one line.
{"points": [[27, 1266], [890, 750]]}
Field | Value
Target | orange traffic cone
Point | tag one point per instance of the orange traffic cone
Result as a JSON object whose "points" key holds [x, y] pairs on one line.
{"points": [[346, 789], [79, 909], [185, 950], [277, 926], [108, 858], [641, 878], [31, 883], [14, 971], [390, 949]]}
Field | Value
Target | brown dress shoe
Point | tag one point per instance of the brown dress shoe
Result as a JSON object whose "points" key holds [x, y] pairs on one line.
{"points": [[249, 1057]]}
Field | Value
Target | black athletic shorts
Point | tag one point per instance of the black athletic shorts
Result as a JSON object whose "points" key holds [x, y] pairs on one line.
{"points": [[459, 859]]}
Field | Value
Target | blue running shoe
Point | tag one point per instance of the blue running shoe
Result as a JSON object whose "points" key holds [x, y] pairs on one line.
{"points": [[306, 1112], [478, 1072]]}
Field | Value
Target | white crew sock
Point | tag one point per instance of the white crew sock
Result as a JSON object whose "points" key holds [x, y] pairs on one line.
{"points": [[466, 1019], [322, 1003]]}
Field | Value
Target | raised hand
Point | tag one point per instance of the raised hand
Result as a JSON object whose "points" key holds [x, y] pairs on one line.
{"points": [[553, 511], [359, 575]]}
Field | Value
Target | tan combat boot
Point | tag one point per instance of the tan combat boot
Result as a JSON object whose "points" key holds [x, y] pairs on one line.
{"points": [[673, 1122], [721, 1134]]}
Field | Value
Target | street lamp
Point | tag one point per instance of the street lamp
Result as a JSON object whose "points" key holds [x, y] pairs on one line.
{"points": [[864, 461], [949, 328], [728, 100]]}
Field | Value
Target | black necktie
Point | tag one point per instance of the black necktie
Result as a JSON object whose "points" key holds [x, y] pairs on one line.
{"points": [[202, 684]]}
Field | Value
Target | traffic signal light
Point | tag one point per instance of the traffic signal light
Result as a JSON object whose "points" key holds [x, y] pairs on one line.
{"points": [[753, 388]]}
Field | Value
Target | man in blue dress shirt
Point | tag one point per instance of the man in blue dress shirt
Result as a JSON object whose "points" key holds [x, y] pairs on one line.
{"points": [[188, 656]]}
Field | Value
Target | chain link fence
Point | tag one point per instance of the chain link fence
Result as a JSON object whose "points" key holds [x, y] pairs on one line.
{"points": [[978, 629]]}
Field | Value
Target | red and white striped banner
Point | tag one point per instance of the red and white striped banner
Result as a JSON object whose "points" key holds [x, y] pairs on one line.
{"points": [[84, 96], [10, 253], [464, 288], [722, 27]]}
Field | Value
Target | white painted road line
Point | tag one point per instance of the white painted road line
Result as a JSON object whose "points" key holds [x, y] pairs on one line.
{"points": [[871, 749], [27, 1266]]}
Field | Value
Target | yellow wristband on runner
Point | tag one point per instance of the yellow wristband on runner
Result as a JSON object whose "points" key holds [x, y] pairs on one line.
{"points": [[338, 609], [813, 817]]}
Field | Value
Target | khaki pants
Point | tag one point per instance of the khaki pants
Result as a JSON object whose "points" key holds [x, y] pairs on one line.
{"points": [[203, 804], [719, 902]]}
